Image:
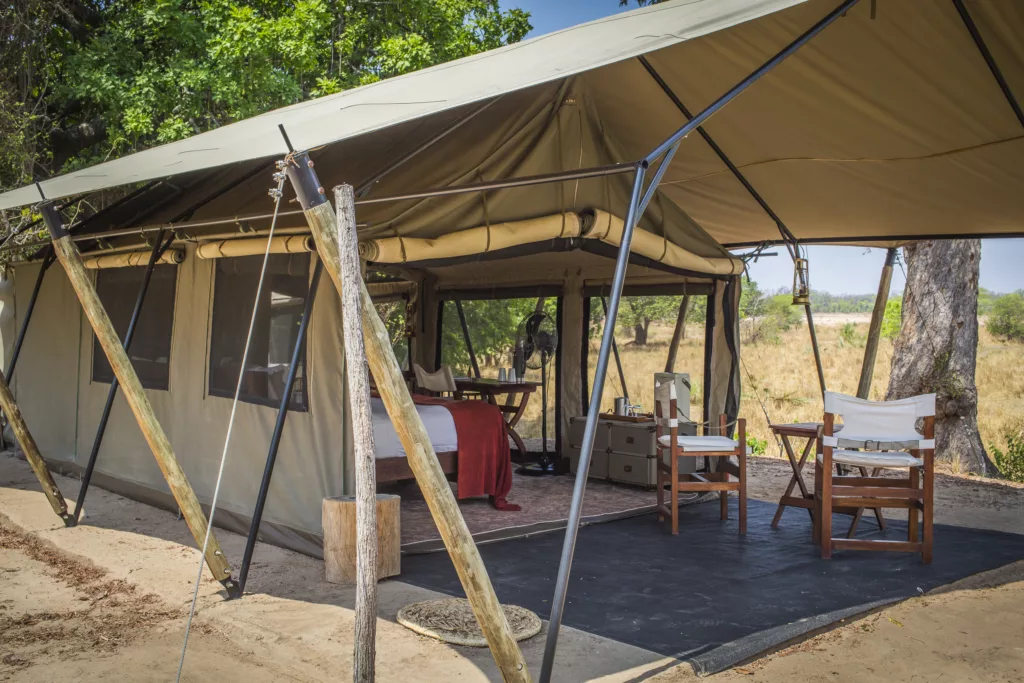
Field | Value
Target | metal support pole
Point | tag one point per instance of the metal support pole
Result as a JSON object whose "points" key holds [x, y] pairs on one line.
{"points": [[713, 108], [867, 369], [787, 235], [632, 217], [47, 262], [275, 439], [615, 352], [159, 247], [465, 335], [590, 431], [986, 54]]}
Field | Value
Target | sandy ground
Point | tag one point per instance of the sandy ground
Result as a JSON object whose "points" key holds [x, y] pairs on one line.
{"points": [[107, 601]]}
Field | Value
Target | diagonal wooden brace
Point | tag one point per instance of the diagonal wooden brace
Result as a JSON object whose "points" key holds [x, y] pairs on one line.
{"points": [[31, 450], [71, 260], [420, 453]]}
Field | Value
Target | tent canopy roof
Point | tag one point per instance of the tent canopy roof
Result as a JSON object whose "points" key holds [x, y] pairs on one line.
{"points": [[883, 128]]}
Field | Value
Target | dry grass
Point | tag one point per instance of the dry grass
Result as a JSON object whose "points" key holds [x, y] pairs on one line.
{"points": [[784, 378]]}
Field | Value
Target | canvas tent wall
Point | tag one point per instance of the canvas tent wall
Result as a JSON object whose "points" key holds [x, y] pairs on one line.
{"points": [[62, 403]]}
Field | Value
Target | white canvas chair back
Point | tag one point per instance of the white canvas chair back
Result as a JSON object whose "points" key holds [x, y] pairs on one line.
{"points": [[664, 394], [885, 425], [440, 381]]}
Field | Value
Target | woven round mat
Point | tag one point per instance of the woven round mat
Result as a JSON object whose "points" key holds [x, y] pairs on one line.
{"points": [[451, 620]]}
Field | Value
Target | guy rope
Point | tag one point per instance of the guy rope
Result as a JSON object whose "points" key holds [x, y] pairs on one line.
{"points": [[275, 193]]}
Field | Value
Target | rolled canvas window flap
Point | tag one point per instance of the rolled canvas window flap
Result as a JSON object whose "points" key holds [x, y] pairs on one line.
{"points": [[590, 224], [477, 240], [130, 259], [282, 244], [390, 290], [608, 228]]}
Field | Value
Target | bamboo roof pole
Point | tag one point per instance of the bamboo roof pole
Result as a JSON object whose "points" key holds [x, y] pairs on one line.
{"points": [[413, 435], [364, 642], [71, 259], [867, 369]]}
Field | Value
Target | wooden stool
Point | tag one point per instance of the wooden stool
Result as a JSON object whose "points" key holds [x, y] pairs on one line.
{"points": [[339, 522]]}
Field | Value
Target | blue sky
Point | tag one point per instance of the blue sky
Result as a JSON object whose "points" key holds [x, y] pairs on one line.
{"points": [[839, 270]]}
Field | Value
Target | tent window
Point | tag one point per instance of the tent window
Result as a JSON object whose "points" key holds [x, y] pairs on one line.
{"points": [[150, 351], [285, 289]]}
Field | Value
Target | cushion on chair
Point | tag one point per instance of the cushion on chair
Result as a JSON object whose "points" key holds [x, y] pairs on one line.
{"points": [[889, 442], [702, 444], [874, 459]]}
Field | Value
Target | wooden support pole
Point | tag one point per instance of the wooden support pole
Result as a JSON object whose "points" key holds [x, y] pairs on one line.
{"points": [[364, 646], [465, 332], [413, 435], [875, 330], [615, 352], [131, 387], [678, 335], [31, 450], [815, 349]]}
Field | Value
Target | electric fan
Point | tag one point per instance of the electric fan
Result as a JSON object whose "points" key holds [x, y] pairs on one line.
{"points": [[536, 343]]}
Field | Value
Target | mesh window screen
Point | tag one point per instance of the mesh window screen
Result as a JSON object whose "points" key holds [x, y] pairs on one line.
{"points": [[285, 289], [150, 351]]}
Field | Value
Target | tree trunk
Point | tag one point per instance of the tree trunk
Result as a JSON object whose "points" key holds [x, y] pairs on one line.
{"points": [[936, 351], [640, 333]]}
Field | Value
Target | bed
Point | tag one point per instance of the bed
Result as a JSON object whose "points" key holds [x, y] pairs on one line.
{"points": [[390, 456]]}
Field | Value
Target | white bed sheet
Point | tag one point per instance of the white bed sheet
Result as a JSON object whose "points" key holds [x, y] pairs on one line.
{"points": [[438, 421]]}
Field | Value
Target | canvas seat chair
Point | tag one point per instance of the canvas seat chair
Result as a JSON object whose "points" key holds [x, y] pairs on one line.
{"points": [[672, 447], [440, 383], [879, 435]]}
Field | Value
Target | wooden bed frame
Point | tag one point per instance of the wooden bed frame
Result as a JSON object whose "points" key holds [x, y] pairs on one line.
{"points": [[397, 469]]}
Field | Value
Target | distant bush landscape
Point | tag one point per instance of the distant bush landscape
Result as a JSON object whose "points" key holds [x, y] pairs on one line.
{"points": [[778, 367]]}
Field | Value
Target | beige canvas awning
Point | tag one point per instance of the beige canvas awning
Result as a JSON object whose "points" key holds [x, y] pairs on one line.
{"points": [[887, 126]]}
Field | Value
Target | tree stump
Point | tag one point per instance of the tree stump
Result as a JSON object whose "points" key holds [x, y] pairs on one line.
{"points": [[339, 521]]}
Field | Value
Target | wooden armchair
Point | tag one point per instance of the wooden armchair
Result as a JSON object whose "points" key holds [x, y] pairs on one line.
{"points": [[877, 435], [672, 447]]}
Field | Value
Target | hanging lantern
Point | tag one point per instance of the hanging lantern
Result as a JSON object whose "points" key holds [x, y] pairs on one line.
{"points": [[801, 283]]}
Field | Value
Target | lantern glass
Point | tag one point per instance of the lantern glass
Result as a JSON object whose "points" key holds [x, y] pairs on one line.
{"points": [[801, 283]]}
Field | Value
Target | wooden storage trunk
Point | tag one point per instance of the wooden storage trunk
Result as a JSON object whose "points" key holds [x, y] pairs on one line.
{"points": [[598, 462], [624, 452]]}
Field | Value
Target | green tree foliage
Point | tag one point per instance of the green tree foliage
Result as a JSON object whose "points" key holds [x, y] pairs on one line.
{"points": [[766, 317], [492, 328], [86, 80], [1006, 317], [893, 317], [636, 313], [986, 299], [165, 70], [823, 302], [1011, 460]]}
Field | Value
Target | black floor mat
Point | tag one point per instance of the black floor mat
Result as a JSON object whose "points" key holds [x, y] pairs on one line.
{"points": [[709, 596]]}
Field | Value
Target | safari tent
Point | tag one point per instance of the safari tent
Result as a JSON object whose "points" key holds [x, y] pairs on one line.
{"points": [[512, 173]]}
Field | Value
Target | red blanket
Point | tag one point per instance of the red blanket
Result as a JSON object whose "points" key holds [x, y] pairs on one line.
{"points": [[485, 463]]}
